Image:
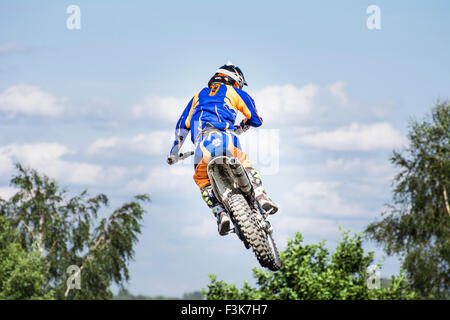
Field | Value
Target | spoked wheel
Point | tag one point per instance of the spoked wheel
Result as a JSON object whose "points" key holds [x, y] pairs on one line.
{"points": [[253, 234]]}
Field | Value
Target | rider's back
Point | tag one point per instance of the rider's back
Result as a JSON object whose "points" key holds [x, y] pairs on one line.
{"points": [[218, 106]]}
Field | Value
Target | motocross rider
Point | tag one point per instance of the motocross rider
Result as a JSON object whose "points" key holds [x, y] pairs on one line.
{"points": [[210, 118]]}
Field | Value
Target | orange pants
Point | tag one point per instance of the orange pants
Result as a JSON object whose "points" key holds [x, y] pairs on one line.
{"points": [[216, 143]]}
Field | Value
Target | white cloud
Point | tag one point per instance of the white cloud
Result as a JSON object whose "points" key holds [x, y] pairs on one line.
{"points": [[368, 167], [5, 164], [153, 143], [286, 226], [176, 179], [47, 158], [29, 100], [337, 90], [167, 109], [369, 178], [285, 104], [321, 198], [205, 229], [7, 192], [362, 137]]}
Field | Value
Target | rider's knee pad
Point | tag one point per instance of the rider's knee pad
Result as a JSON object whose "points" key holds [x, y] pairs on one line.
{"points": [[254, 176]]}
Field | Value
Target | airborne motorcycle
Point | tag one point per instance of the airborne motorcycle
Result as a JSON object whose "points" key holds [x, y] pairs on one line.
{"points": [[233, 189]]}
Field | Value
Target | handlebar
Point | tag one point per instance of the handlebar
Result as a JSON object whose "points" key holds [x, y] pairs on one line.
{"points": [[181, 156], [185, 155]]}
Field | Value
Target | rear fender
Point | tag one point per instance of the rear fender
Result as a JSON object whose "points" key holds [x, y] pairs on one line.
{"points": [[221, 177]]}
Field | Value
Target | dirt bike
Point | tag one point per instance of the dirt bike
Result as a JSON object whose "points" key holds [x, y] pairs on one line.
{"points": [[232, 187]]}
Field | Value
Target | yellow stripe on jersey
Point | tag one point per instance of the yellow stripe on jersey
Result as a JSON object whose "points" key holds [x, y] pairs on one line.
{"points": [[237, 102], [194, 104], [230, 104]]}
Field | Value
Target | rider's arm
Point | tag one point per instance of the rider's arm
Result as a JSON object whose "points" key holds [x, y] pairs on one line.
{"points": [[246, 105], [181, 130]]}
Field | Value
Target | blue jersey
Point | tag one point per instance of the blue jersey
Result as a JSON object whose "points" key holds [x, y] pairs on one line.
{"points": [[218, 107]]}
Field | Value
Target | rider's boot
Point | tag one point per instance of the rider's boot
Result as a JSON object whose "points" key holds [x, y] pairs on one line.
{"points": [[261, 196], [223, 220]]}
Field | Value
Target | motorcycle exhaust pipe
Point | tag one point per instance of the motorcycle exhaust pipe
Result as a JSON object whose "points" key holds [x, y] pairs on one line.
{"points": [[239, 174]]}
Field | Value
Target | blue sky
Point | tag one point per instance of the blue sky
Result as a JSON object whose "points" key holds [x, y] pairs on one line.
{"points": [[95, 108]]}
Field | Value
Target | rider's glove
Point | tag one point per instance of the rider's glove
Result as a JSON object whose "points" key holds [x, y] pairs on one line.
{"points": [[241, 128], [171, 159], [244, 126], [238, 130]]}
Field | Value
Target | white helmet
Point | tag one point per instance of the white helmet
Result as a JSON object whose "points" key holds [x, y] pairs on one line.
{"points": [[229, 74]]}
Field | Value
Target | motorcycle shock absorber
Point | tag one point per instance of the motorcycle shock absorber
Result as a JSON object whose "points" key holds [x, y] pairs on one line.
{"points": [[239, 174]]}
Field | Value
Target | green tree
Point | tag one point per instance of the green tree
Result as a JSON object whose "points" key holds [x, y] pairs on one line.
{"points": [[194, 295], [67, 231], [311, 272], [416, 226], [22, 273], [124, 294]]}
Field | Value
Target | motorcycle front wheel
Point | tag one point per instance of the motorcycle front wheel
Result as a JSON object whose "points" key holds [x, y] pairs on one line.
{"points": [[252, 233]]}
